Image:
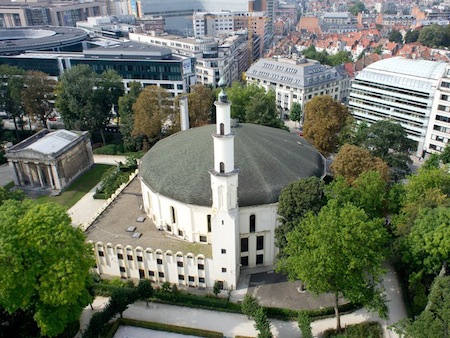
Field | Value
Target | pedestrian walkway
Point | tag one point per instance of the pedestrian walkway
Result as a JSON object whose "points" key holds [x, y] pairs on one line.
{"points": [[87, 207], [232, 324]]}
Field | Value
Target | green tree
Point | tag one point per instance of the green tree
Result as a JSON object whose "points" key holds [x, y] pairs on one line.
{"points": [[44, 264], [85, 99], [395, 36], [324, 119], [432, 36], [239, 96], [351, 161], [152, 110], [38, 96], [388, 140], [340, 251], [11, 86], [426, 189], [434, 321], [295, 201], [357, 7], [144, 290], [428, 243], [262, 110], [216, 288], [6, 194], [253, 310], [368, 192], [339, 58], [296, 112], [126, 114], [411, 36]]}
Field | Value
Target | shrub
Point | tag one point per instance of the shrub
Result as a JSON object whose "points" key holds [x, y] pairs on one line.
{"points": [[366, 330], [109, 149]]}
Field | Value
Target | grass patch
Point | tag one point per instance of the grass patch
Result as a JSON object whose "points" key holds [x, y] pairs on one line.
{"points": [[77, 189], [165, 327]]}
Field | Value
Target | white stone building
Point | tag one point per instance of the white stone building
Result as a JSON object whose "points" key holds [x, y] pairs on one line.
{"points": [[50, 161], [295, 80], [214, 190]]}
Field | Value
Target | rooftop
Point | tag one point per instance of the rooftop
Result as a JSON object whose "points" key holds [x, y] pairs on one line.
{"points": [[111, 226]]}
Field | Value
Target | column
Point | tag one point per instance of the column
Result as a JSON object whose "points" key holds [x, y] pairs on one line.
{"points": [[30, 175], [38, 168], [56, 177], [50, 176]]}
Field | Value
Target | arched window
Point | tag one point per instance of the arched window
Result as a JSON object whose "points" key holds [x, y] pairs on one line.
{"points": [[172, 212], [252, 223], [222, 129], [222, 167]]}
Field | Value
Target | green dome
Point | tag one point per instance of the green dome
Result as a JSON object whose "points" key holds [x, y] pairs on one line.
{"points": [[268, 159]]}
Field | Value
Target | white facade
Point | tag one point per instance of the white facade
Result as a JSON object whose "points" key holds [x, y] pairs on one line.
{"points": [[212, 24], [295, 80], [399, 89], [438, 133]]}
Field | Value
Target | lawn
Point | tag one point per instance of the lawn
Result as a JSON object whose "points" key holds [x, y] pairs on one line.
{"points": [[77, 189]]}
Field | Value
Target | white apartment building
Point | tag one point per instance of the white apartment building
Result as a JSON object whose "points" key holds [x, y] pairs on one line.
{"points": [[438, 133], [295, 80], [399, 89], [215, 58]]}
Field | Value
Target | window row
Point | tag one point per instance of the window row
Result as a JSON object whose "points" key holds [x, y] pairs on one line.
{"points": [[259, 243], [259, 260]]}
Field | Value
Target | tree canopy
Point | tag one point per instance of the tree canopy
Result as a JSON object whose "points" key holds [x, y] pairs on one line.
{"points": [[411, 36], [44, 264], [126, 114], [434, 321], [388, 140], [351, 161], [295, 201], [11, 86], [38, 96], [296, 112], [435, 36], [200, 102], [357, 7], [251, 104], [339, 250], [85, 99], [153, 113], [324, 58], [395, 36], [324, 119]]}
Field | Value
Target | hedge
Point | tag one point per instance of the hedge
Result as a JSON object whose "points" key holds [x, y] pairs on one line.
{"points": [[163, 327], [366, 330], [220, 304]]}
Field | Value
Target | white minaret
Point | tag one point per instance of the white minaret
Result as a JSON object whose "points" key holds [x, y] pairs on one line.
{"points": [[224, 183]]}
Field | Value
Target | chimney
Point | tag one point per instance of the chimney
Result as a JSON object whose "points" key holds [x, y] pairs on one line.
{"points": [[184, 113]]}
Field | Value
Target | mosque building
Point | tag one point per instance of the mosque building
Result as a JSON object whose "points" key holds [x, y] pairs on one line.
{"points": [[215, 190]]}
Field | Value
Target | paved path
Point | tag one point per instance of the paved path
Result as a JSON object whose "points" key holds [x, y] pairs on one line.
{"points": [[232, 324], [87, 206]]}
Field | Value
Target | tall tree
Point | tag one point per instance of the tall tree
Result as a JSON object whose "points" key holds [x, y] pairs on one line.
{"points": [[432, 36], [428, 243], [357, 7], [351, 161], [296, 200], [388, 140], [152, 110], [296, 112], [126, 113], [261, 109], [434, 321], [324, 119], [44, 264], [38, 96], [240, 95], [395, 36], [85, 99], [340, 251], [368, 192], [411, 36], [200, 102], [11, 86]]}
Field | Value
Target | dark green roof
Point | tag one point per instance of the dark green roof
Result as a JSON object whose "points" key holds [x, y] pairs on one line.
{"points": [[268, 159]]}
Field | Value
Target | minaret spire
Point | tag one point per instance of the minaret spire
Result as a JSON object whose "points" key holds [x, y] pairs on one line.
{"points": [[224, 184]]}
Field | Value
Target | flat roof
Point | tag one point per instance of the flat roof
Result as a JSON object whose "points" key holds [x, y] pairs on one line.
{"points": [[111, 226], [129, 49]]}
